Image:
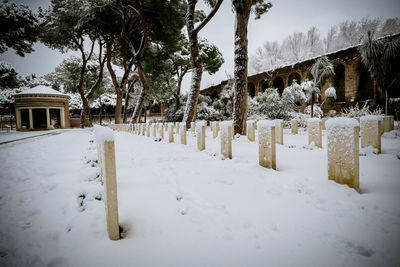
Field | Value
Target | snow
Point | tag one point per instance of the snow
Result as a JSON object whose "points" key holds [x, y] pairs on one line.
{"points": [[370, 118], [103, 134], [330, 92], [313, 120], [341, 122], [265, 124], [181, 207], [42, 90]]}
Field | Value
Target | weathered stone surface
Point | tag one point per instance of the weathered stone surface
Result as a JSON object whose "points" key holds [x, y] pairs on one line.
{"points": [[183, 134], [201, 137], [162, 131], [251, 131], [111, 191], [226, 140], [323, 121], [370, 130], [343, 151], [215, 129], [314, 132], [171, 133], [294, 125], [278, 131], [266, 144], [193, 126]]}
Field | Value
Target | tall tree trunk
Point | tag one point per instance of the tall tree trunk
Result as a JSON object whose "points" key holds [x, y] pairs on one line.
{"points": [[118, 109], [101, 109], [197, 67], [178, 92], [191, 103], [127, 98], [143, 93], [386, 102], [241, 65]]}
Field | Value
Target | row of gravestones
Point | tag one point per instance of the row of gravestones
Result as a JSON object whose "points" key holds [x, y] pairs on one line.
{"points": [[108, 176], [342, 136]]}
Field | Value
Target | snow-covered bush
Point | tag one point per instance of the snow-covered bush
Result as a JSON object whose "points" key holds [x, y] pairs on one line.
{"points": [[206, 110], [330, 92], [309, 88], [357, 112], [300, 117], [317, 111], [294, 93], [269, 105]]}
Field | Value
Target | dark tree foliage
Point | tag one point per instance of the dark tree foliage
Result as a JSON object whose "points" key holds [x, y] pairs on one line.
{"points": [[381, 57], [8, 76], [19, 28]]}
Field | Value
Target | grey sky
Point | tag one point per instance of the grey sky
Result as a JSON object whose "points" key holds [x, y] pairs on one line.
{"points": [[285, 17]]}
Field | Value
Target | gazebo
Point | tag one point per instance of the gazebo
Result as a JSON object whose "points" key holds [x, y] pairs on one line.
{"points": [[41, 107]]}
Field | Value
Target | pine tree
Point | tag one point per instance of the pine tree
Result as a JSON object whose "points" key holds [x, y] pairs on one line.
{"points": [[242, 9], [197, 64]]}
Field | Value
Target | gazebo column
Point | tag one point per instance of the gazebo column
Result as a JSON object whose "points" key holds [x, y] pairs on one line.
{"points": [[62, 118], [30, 119], [18, 113], [48, 118]]}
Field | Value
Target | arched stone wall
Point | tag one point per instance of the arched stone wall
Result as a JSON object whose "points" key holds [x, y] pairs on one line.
{"points": [[339, 82], [294, 76], [251, 89], [214, 95], [279, 84], [365, 88]]}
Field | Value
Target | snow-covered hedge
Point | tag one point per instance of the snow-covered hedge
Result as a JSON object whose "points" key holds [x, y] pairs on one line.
{"points": [[317, 111], [357, 112]]}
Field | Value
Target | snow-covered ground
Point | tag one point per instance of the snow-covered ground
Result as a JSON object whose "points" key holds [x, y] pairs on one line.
{"points": [[182, 207], [16, 135]]}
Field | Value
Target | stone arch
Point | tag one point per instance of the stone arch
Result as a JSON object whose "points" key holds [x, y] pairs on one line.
{"points": [[214, 95], [251, 89], [294, 76], [264, 84], [339, 83], [365, 89], [279, 84]]}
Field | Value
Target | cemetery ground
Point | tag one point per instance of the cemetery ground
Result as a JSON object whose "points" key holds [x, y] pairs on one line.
{"points": [[182, 207]]}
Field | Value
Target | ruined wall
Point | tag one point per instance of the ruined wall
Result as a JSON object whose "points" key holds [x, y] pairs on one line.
{"points": [[355, 82]]}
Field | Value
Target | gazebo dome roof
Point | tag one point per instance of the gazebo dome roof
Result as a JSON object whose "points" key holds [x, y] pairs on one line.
{"points": [[41, 90]]}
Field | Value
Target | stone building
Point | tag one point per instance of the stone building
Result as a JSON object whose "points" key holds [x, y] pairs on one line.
{"points": [[352, 80], [41, 107]]}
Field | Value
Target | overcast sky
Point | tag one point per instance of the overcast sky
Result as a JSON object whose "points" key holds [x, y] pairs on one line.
{"points": [[284, 18]]}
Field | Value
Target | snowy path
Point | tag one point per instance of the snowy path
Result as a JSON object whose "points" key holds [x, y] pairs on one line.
{"points": [[181, 207]]}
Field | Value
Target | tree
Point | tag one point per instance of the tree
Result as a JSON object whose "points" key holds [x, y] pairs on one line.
{"points": [[19, 28], [320, 70], [242, 9], [197, 65], [67, 25], [8, 76], [209, 54], [129, 28], [162, 27], [381, 59]]}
